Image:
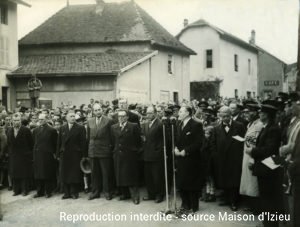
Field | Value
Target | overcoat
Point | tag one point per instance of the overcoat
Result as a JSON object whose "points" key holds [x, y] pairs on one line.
{"points": [[270, 185], [20, 152], [190, 175], [127, 148], [249, 184], [45, 143], [227, 155], [71, 148], [153, 145]]}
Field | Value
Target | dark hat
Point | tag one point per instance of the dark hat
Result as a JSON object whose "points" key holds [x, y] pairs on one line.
{"points": [[115, 102], [168, 111], [203, 104], [85, 165], [282, 96], [251, 105], [208, 111], [132, 106], [23, 109], [81, 119], [269, 106], [174, 107], [294, 97], [280, 105]]}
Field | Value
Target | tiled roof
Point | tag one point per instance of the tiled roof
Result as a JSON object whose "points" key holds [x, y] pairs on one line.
{"points": [[118, 22], [103, 63]]}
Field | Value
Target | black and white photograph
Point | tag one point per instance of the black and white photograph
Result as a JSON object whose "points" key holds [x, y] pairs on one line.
{"points": [[150, 113]]}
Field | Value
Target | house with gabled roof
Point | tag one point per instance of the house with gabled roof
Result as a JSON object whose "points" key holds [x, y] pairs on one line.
{"points": [[8, 46], [103, 51], [227, 66]]}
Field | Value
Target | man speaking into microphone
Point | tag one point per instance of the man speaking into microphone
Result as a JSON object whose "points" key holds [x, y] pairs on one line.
{"points": [[188, 153]]}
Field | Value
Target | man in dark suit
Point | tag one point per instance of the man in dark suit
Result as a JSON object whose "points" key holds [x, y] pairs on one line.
{"points": [[44, 163], [153, 156], [127, 144], [20, 145], [228, 152], [71, 148], [188, 154], [100, 152]]}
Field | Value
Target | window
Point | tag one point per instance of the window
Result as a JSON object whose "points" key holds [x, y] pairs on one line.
{"points": [[3, 14], [175, 97], [4, 57], [249, 66], [236, 66], [236, 93], [170, 64], [209, 58]]}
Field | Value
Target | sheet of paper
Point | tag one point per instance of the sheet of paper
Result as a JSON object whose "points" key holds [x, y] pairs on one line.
{"points": [[270, 163], [238, 138]]}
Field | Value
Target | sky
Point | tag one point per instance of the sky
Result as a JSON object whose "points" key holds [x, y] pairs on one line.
{"points": [[275, 21]]}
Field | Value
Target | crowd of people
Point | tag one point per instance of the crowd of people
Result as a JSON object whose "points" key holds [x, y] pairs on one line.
{"points": [[248, 151]]}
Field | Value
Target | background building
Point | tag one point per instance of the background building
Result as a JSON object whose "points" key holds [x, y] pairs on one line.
{"points": [[228, 66], [103, 51], [8, 46]]}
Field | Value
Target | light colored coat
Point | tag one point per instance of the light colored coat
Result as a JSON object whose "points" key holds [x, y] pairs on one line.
{"points": [[249, 184]]}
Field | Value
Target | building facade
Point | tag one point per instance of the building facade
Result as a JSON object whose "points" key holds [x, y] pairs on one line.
{"points": [[222, 59], [230, 67], [8, 47], [103, 51], [271, 75]]}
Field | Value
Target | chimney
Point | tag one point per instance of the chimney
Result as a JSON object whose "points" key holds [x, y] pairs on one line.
{"points": [[185, 22], [99, 6], [252, 38], [68, 3]]}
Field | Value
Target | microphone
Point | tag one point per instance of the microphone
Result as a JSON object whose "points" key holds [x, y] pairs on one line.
{"points": [[173, 120]]}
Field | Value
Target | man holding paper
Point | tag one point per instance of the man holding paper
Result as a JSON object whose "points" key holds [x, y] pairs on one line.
{"points": [[227, 147]]}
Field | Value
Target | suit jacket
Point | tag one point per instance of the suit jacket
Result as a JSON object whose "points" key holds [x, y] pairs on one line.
{"points": [[153, 144], [228, 154], [242, 120], [99, 137], [20, 152], [267, 143], [127, 145], [45, 143], [190, 138], [71, 148]]}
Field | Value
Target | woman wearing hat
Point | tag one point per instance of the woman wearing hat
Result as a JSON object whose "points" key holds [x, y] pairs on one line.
{"points": [[249, 184], [267, 145]]}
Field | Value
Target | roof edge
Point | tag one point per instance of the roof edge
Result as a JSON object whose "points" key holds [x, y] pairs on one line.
{"points": [[20, 2], [132, 65]]}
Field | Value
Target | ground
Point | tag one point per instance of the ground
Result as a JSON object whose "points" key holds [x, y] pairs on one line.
{"points": [[27, 211]]}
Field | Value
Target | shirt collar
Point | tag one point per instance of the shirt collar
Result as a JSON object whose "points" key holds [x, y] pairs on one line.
{"points": [[186, 120]]}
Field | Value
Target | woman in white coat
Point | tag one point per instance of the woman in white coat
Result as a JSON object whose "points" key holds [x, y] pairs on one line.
{"points": [[249, 184]]}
